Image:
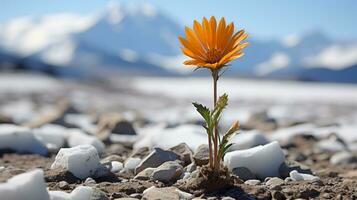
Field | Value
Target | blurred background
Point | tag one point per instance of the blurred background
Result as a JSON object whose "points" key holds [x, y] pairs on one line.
{"points": [[299, 40], [125, 55]]}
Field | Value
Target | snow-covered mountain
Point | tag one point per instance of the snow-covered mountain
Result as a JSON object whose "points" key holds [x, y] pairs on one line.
{"points": [[143, 40]]}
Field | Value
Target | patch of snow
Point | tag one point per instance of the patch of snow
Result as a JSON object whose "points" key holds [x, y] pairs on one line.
{"points": [[334, 57], [60, 54], [36, 33], [27, 83], [20, 139], [277, 61], [30, 186], [249, 90], [291, 40], [264, 161], [172, 63], [19, 111], [52, 135], [128, 55]]}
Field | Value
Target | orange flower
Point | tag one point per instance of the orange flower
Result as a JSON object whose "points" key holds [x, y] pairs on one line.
{"points": [[212, 46]]}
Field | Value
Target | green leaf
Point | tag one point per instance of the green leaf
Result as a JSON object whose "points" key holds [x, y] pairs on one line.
{"points": [[223, 146], [220, 105], [204, 112]]}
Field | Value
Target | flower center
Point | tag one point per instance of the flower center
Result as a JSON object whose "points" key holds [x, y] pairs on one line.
{"points": [[213, 55]]}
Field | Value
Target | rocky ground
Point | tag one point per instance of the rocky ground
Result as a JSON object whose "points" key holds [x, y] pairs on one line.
{"points": [[108, 147]]}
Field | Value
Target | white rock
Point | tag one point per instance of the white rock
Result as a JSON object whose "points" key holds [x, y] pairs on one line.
{"points": [[79, 193], [78, 137], [248, 140], [29, 186], [296, 176], [116, 166], [131, 163], [20, 139], [264, 161], [82, 161], [52, 135]]}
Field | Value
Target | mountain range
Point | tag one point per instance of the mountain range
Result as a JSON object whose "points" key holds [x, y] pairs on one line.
{"points": [[142, 40]]}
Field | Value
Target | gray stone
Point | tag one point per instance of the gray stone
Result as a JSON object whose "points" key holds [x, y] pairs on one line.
{"points": [[168, 193], [194, 174], [274, 182], [252, 182], [89, 181], [243, 173], [98, 195], [156, 158], [288, 166], [167, 172], [184, 152], [343, 157], [185, 175], [201, 155], [111, 158], [277, 195], [63, 185], [145, 174], [124, 127], [190, 168]]}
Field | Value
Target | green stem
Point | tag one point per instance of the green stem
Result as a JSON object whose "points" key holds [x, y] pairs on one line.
{"points": [[215, 135]]}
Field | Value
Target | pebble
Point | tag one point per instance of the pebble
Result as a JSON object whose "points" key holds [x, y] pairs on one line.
{"points": [[288, 166], [296, 176], [145, 174], [201, 155], [63, 185], [277, 195], [156, 158], [243, 173], [274, 183], [184, 151], [252, 182], [116, 166], [124, 127], [167, 193], [131, 163], [190, 168], [228, 198], [167, 172], [89, 181], [112, 158], [343, 157]]}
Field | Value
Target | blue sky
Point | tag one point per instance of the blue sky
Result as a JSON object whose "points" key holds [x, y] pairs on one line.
{"points": [[262, 18]]}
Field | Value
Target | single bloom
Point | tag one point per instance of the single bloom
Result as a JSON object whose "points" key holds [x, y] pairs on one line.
{"points": [[212, 45]]}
